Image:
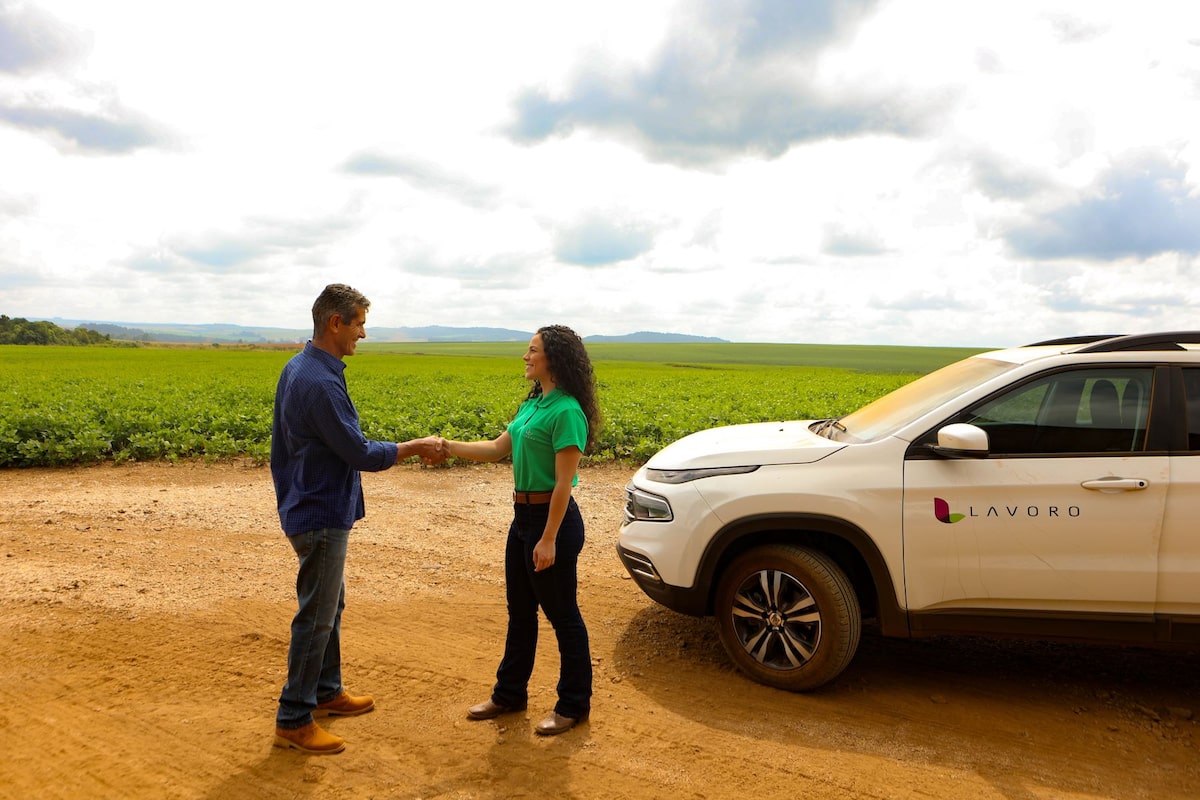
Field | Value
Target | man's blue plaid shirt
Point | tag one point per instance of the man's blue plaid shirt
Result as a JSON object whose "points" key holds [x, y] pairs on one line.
{"points": [[318, 448]]}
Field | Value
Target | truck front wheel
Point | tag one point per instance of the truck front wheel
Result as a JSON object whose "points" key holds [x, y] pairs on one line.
{"points": [[788, 617]]}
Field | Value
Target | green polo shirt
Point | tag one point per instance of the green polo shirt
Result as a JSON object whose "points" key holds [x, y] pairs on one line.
{"points": [[543, 426]]}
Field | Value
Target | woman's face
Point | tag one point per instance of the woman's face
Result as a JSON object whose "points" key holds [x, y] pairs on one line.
{"points": [[537, 366]]}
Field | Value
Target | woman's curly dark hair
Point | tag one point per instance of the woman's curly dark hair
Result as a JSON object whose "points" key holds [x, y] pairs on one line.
{"points": [[572, 371]]}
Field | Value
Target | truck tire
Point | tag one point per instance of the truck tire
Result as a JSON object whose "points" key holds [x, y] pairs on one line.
{"points": [[788, 617]]}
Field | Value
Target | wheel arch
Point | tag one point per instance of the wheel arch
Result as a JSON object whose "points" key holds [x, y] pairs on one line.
{"points": [[854, 552]]}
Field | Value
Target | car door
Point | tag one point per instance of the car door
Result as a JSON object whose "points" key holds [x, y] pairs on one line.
{"points": [[1179, 555], [1064, 513]]}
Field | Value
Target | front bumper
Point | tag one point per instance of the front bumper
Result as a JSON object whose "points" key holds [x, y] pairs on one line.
{"points": [[676, 598]]}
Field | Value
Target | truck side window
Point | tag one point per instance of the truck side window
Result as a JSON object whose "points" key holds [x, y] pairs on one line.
{"points": [[1081, 411], [1191, 387]]}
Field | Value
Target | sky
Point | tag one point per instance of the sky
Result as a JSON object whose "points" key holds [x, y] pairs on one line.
{"points": [[911, 172]]}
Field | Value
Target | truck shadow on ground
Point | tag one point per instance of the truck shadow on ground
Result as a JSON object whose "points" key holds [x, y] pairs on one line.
{"points": [[966, 702], [658, 642]]}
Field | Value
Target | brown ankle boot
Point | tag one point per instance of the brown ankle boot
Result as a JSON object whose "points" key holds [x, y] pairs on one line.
{"points": [[312, 738], [345, 705]]}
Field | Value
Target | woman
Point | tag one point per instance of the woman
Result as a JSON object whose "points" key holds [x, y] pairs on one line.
{"points": [[546, 438]]}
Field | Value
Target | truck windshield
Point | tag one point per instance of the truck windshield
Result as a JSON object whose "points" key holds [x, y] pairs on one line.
{"points": [[894, 410]]}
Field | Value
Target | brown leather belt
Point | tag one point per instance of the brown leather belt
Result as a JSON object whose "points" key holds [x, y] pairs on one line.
{"points": [[532, 498]]}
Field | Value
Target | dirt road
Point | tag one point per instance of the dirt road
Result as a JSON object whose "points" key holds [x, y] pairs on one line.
{"points": [[145, 612]]}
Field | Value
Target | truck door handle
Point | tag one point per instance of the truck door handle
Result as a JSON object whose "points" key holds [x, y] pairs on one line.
{"points": [[1113, 484]]}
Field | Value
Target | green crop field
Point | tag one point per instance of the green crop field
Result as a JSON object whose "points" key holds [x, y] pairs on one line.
{"points": [[863, 358], [69, 405]]}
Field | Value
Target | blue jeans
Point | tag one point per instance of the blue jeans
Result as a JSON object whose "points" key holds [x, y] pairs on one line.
{"points": [[554, 590], [315, 653]]}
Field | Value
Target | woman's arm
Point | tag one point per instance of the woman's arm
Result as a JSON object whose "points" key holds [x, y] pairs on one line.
{"points": [[566, 462], [492, 450]]}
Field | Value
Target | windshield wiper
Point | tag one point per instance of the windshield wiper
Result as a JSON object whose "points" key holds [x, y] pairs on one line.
{"points": [[824, 426]]}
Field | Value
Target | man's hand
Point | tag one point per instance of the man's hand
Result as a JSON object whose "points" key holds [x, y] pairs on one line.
{"points": [[431, 450], [434, 451]]}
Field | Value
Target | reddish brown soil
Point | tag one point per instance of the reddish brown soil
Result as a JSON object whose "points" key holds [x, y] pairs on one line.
{"points": [[145, 609]]}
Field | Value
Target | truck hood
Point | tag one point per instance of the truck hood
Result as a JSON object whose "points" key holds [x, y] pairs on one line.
{"points": [[756, 444]]}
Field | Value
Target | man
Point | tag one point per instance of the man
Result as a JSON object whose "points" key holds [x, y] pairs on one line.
{"points": [[317, 453]]}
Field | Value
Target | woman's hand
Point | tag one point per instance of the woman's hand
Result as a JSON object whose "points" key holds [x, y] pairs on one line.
{"points": [[543, 555]]}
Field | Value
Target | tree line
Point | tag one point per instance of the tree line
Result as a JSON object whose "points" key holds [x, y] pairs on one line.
{"points": [[21, 331]]}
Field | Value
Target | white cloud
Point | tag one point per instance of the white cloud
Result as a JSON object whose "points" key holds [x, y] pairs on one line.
{"points": [[760, 170]]}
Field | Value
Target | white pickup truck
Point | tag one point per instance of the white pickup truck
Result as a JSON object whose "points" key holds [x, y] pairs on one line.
{"points": [[1047, 491]]}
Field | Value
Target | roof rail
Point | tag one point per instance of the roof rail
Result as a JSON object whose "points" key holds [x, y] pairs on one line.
{"points": [[1143, 341], [1067, 340]]}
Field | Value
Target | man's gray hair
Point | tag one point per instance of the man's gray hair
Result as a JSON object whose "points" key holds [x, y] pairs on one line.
{"points": [[340, 299]]}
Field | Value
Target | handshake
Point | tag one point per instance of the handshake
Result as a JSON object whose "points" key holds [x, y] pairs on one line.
{"points": [[433, 450]]}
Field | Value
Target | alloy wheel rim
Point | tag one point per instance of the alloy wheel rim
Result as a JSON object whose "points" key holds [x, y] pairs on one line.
{"points": [[776, 620]]}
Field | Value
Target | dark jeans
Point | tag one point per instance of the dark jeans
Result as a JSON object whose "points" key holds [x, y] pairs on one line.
{"points": [[315, 654], [553, 589]]}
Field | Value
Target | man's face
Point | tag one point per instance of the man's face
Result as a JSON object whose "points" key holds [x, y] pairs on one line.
{"points": [[346, 333]]}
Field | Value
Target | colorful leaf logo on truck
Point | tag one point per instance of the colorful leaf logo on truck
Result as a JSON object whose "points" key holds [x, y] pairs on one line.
{"points": [[941, 510]]}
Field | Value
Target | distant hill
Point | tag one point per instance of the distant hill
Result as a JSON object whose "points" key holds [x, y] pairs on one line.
{"points": [[191, 334], [652, 337], [440, 333], [246, 334]]}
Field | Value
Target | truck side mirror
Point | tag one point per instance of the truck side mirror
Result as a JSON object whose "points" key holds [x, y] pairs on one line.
{"points": [[961, 440]]}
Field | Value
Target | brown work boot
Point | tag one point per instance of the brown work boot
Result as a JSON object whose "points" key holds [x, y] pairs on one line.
{"points": [[345, 705], [312, 738]]}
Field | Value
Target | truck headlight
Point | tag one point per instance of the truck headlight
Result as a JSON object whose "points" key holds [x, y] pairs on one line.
{"points": [[686, 475], [641, 505]]}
